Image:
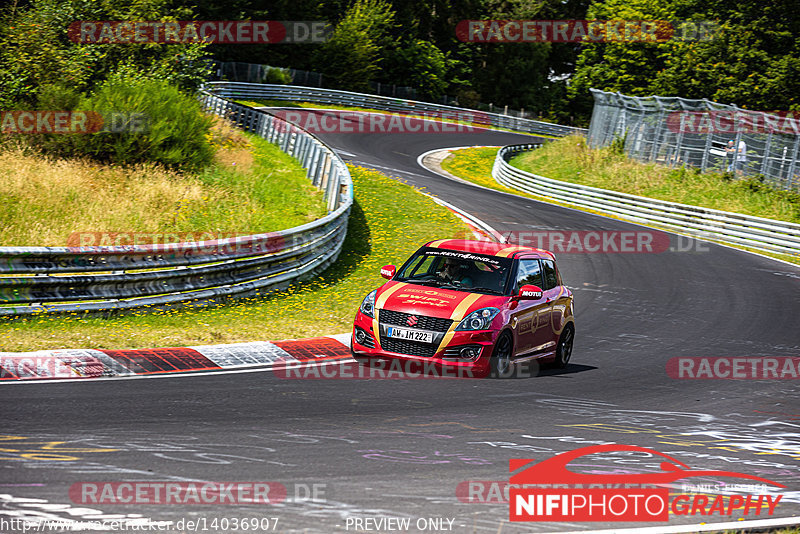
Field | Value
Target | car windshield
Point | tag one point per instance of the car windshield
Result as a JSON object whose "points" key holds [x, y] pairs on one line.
{"points": [[452, 269]]}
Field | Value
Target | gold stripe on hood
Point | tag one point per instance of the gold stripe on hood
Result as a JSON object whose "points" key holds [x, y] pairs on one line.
{"points": [[379, 302]]}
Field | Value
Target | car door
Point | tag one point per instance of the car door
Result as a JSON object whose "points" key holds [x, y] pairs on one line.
{"points": [[552, 291], [527, 320]]}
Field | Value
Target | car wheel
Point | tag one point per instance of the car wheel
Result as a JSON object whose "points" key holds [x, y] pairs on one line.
{"points": [[564, 347], [500, 362]]}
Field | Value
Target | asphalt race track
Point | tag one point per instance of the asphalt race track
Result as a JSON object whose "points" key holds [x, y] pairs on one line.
{"points": [[381, 450]]}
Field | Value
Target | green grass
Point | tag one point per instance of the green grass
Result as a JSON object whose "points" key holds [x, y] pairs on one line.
{"points": [[274, 194], [388, 221], [252, 187], [570, 160], [558, 161], [475, 165]]}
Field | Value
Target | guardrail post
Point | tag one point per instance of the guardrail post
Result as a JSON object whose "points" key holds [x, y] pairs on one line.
{"points": [[313, 164], [286, 137], [333, 186], [320, 172], [325, 171], [342, 196], [273, 131], [266, 124], [303, 149]]}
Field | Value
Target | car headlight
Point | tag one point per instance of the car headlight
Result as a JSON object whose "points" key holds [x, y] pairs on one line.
{"points": [[478, 320], [368, 305]]}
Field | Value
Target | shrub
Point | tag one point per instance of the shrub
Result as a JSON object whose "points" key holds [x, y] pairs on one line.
{"points": [[468, 98], [617, 146], [55, 97], [277, 76], [147, 120]]}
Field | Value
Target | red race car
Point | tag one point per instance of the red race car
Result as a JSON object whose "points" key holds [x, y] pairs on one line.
{"points": [[473, 307]]}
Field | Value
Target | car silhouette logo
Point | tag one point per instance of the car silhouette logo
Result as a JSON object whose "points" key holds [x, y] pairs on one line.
{"points": [[554, 470], [412, 321]]}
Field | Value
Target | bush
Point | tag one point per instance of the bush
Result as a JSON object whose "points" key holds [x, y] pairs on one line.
{"points": [[146, 120], [277, 76], [55, 97], [617, 145], [36, 49], [468, 98]]}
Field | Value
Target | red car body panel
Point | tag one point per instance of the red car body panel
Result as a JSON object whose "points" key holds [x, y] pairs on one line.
{"points": [[535, 324]]}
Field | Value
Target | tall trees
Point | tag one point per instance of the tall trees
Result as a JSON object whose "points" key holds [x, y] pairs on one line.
{"points": [[751, 59], [352, 56], [36, 50]]}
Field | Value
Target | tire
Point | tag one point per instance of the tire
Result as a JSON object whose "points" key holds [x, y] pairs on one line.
{"points": [[500, 364], [564, 347]]}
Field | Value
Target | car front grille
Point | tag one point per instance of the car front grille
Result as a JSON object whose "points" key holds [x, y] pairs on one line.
{"points": [[412, 348], [424, 322]]}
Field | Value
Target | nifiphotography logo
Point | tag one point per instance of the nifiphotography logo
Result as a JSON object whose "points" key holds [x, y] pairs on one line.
{"points": [[548, 491]]}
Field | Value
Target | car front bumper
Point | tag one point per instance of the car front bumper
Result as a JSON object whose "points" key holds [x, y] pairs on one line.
{"points": [[458, 354]]}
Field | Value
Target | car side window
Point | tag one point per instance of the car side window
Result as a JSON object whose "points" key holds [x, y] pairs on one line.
{"points": [[423, 267], [529, 273], [550, 277]]}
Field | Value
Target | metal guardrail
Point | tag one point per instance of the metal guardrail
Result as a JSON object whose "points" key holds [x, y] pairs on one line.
{"points": [[754, 232], [35, 280], [255, 91]]}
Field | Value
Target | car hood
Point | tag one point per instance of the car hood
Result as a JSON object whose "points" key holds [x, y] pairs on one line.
{"points": [[432, 301]]}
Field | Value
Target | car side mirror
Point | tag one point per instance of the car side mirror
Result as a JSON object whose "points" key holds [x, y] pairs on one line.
{"points": [[528, 292], [387, 271]]}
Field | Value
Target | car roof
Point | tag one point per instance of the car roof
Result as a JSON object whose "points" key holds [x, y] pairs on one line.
{"points": [[490, 248]]}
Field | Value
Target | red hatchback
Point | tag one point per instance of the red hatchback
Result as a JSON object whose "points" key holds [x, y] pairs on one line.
{"points": [[473, 307]]}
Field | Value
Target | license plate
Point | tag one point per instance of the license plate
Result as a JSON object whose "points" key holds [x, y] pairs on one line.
{"points": [[410, 335]]}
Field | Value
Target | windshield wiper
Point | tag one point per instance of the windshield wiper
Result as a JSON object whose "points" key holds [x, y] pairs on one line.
{"points": [[434, 283], [489, 289], [445, 283]]}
